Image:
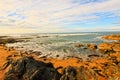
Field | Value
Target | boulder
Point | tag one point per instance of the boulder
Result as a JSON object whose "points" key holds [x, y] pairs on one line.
{"points": [[27, 68]]}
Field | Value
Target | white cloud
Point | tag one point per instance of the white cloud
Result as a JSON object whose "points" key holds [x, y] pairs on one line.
{"points": [[15, 30], [50, 15]]}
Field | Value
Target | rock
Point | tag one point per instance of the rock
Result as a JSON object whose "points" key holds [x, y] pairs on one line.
{"points": [[93, 55], [112, 37], [104, 47], [86, 74], [109, 47], [8, 57], [37, 53], [10, 40], [69, 73], [60, 67], [86, 46], [11, 77], [116, 47], [57, 55], [27, 68], [78, 45], [5, 65], [92, 47]]}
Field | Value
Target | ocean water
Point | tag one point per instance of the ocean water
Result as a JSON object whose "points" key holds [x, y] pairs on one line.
{"points": [[60, 43]]}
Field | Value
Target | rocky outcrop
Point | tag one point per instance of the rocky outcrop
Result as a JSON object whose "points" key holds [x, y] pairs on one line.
{"points": [[109, 47], [27, 68], [105, 47], [86, 46], [116, 47], [97, 68], [12, 40], [112, 37]]}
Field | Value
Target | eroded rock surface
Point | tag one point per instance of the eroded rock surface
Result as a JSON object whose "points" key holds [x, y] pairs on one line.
{"points": [[112, 37], [109, 47], [27, 68]]}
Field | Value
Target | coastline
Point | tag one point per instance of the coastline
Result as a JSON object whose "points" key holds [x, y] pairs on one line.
{"points": [[103, 67]]}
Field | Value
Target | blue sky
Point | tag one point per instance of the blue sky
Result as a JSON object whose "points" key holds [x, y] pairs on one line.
{"points": [[49, 16]]}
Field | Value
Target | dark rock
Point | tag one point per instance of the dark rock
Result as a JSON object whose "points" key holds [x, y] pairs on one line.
{"points": [[45, 59], [93, 55], [11, 77], [9, 40], [84, 48], [27, 68], [69, 73], [37, 53], [57, 55], [9, 57], [60, 67], [5, 65], [86, 74]]}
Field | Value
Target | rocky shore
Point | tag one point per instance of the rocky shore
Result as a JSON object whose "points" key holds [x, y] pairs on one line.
{"points": [[8, 39], [112, 37], [22, 66]]}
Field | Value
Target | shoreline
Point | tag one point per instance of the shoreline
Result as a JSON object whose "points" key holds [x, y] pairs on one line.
{"points": [[107, 67], [56, 50], [74, 62]]}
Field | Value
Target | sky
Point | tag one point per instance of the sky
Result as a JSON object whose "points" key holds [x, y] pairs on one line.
{"points": [[57, 16]]}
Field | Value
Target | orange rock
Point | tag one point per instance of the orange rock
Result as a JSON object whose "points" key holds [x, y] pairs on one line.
{"points": [[101, 78], [116, 47], [92, 47], [105, 47], [105, 65], [112, 37]]}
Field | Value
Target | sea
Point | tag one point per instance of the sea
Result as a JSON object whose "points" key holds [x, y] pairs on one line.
{"points": [[62, 44]]}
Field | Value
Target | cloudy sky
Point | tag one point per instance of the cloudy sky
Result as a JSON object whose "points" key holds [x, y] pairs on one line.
{"points": [[26, 16]]}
